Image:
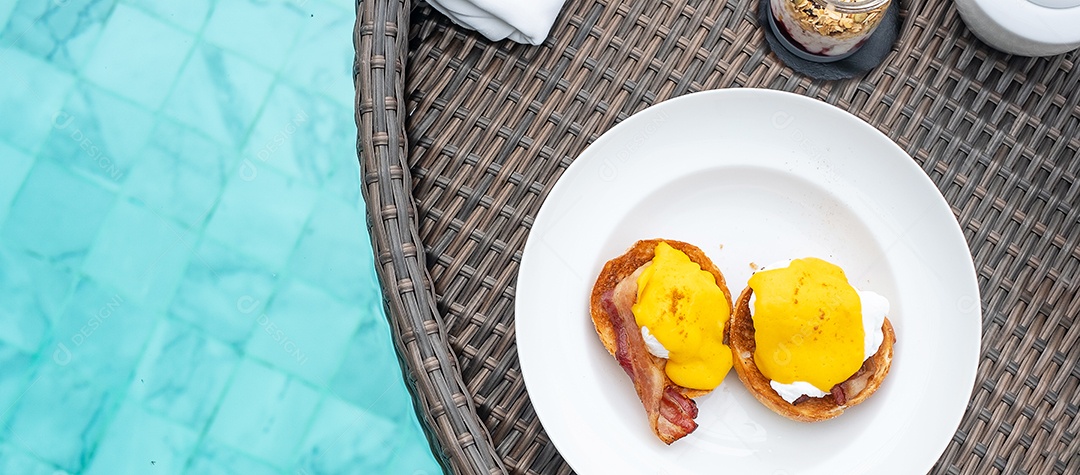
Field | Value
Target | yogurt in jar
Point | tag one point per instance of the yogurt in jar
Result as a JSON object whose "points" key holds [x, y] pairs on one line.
{"points": [[829, 29]]}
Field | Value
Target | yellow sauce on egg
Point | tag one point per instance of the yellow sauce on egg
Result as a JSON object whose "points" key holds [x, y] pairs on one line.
{"points": [[808, 324], [686, 311]]}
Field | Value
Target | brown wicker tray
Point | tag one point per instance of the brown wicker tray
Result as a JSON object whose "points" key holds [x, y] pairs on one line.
{"points": [[460, 140]]}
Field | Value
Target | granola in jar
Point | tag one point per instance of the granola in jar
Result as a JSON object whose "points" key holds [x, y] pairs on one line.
{"points": [[827, 30]]}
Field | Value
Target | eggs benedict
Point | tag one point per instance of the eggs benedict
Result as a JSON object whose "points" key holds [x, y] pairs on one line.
{"points": [[807, 343], [662, 310]]}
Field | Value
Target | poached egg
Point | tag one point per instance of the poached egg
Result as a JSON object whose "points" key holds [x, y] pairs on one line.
{"points": [[682, 314], [813, 329]]}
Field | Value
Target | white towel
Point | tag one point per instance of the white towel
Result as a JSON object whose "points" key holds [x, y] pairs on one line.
{"points": [[524, 21]]}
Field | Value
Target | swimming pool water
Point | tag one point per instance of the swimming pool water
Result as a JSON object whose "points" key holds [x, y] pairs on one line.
{"points": [[186, 281]]}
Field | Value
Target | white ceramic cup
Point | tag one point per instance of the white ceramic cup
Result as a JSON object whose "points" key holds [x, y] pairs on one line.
{"points": [[1024, 27]]}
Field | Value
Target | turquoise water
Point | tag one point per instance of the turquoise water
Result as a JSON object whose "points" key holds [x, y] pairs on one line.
{"points": [[186, 282]]}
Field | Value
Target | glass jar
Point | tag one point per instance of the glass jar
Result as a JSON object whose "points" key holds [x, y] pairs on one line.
{"points": [[826, 30]]}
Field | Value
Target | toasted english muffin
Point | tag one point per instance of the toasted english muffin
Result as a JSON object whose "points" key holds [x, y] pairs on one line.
{"points": [[742, 345]]}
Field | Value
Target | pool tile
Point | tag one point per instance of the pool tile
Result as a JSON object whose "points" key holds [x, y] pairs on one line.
{"points": [[302, 134], [16, 166], [190, 15], [18, 366], [213, 458], [223, 292], [413, 455], [6, 9], [141, 253], [14, 460], [345, 439], [335, 252], [62, 33], [271, 140], [33, 93], [181, 174], [219, 94], [25, 316], [23, 321], [304, 331], [372, 379], [328, 30], [56, 215], [33, 292], [262, 216], [264, 413], [98, 135], [61, 416], [182, 374], [138, 442], [344, 182], [101, 333], [138, 56], [262, 31], [349, 5]]}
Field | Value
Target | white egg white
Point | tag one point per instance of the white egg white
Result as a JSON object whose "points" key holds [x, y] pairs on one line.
{"points": [[653, 345]]}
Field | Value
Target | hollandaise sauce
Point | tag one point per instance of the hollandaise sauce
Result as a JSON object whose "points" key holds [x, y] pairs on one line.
{"points": [[808, 324], [686, 311]]}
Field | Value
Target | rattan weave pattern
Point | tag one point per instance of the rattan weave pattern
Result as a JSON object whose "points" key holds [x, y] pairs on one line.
{"points": [[460, 140]]}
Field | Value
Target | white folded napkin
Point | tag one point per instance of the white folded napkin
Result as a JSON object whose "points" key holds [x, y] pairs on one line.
{"points": [[524, 21]]}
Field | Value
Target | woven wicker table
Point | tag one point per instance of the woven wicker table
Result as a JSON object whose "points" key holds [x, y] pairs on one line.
{"points": [[461, 139]]}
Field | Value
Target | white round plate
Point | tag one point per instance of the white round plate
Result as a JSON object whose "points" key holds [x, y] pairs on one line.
{"points": [[751, 177]]}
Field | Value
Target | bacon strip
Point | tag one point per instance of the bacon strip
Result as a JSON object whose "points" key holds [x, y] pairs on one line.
{"points": [[838, 395], [858, 381], [671, 414], [679, 411], [849, 388]]}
